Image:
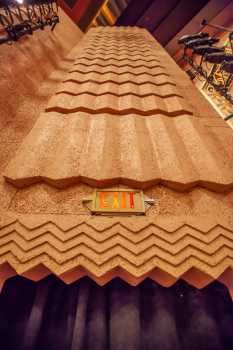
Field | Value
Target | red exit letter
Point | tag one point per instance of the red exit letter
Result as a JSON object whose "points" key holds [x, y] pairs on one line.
{"points": [[131, 200]]}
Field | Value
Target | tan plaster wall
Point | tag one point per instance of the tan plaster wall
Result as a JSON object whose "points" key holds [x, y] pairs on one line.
{"points": [[30, 70], [187, 234]]}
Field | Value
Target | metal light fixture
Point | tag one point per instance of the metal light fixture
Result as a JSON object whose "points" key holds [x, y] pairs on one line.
{"points": [[203, 45], [186, 38], [206, 49], [218, 57], [22, 17], [202, 41]]}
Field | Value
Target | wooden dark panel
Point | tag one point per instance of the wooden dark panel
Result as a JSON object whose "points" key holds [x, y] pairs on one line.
{"points": [[71, 3], [156, 14], [90, 14], [133, 12]]}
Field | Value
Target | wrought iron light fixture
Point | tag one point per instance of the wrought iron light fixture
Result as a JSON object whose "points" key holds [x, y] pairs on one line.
{"points": [[22, 17], [201, 44]]}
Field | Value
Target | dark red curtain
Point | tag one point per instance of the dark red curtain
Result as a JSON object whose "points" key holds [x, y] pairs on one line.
{"points": [[50, 315]]}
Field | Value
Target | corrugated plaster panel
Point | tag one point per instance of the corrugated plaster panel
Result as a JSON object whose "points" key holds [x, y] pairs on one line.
{"points": [[103, 150], [83, 130], [121, 118]]}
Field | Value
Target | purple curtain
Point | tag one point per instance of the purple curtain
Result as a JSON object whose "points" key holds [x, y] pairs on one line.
{"points": [[50, 315]]}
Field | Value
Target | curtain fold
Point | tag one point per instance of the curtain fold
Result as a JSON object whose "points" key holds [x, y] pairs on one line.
{"points": [[50, 315]]}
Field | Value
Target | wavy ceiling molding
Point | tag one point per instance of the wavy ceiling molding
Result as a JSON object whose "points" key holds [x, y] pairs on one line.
{"points": [[113, 68], [67, 103], [112, 88], [105, 150], [94, 94], [123, 120], [116, 250], [186, 235]]}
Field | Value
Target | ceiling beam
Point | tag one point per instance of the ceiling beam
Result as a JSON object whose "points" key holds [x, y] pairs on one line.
{"points": [[77, 11], [90, 14], [109, 16], [113, 5], [133, 12], [177, 19], [152, 18]]}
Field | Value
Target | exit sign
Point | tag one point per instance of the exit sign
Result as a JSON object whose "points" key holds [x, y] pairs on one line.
{"points": [[118, 201]]}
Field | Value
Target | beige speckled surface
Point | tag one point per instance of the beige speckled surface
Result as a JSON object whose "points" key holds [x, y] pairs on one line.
{"points": [[137, 151], [106, 248], [180, 154]]}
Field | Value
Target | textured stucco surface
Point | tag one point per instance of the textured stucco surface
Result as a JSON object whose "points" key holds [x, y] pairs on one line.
{"points": [[121, 116], [180, 152], [30, 72]]}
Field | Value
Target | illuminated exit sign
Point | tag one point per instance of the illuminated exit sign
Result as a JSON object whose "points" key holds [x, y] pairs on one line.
{"points": [[118, 201]]}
